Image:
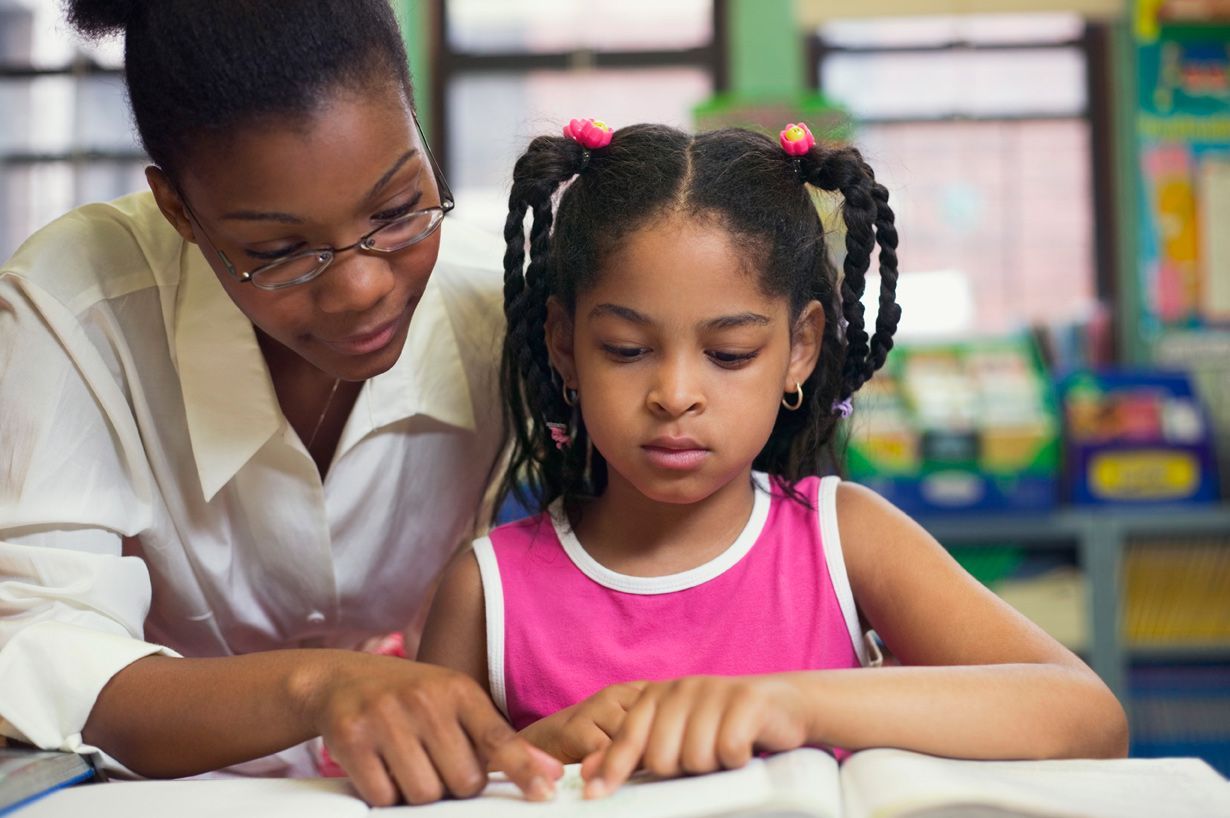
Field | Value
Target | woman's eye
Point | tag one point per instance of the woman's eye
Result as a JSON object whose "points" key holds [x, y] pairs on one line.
{"points": [[399, 211], [274, 255], [623, 353], [730, 360]]}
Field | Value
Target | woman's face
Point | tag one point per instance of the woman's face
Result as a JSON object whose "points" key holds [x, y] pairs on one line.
{"points": [[324, 179]]}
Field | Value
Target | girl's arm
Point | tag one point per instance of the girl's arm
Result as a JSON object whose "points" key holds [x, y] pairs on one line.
{"points": [[456, 636], [979, 681]]}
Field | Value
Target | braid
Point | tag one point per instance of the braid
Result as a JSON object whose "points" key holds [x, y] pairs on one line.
{"points": [[869, 221], [537, 470], [889, 314]]}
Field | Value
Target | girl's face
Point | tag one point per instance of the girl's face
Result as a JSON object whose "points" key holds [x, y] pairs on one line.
{"points": [[681, 360], [323, 180]]}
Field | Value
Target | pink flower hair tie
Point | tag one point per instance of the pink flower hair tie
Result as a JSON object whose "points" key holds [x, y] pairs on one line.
{"points": [[559, 435], [796, 139], [588, 133]]}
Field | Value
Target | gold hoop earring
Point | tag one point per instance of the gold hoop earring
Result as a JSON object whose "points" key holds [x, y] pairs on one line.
{"points": [[570, 399], [798, 402]]}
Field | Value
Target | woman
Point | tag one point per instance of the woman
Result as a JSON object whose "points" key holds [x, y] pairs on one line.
{"points": [[250, 413]]}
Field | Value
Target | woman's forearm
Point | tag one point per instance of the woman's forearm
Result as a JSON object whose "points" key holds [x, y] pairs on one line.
{"points": [[165, 717], [988, 711]]}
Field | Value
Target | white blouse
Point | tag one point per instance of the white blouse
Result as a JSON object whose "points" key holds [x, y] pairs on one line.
{"points": [[153, 498]]}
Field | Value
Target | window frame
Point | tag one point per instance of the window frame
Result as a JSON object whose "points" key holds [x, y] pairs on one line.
{"points": [[1094, 45], [449, 64]]}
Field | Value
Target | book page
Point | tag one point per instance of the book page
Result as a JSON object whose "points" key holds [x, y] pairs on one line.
{"points": [[230, 797], [801, 783], [891, 783]]}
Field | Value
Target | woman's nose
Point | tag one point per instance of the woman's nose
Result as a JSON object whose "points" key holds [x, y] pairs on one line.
{"points": [[355, 282]]}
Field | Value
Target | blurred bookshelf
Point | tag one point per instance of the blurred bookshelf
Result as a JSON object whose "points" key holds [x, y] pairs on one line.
{"points": [[1145, 601]]}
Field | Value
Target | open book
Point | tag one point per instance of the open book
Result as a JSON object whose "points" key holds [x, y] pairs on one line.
{"points": [[799, 784]]}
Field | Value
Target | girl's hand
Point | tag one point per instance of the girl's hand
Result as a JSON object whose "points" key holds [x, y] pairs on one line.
{"points": [[421, 731], [699, 724], [588, 726]]}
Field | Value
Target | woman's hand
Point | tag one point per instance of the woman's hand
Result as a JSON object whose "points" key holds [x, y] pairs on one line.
{"points": [[588, 726], [698, 724], [418, 730]]}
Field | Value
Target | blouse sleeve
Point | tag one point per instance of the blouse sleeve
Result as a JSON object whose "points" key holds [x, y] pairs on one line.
{"points": [[73, 484]]}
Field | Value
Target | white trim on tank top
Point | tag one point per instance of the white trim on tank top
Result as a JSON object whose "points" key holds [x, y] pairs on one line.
{"points": [[670, 583]]}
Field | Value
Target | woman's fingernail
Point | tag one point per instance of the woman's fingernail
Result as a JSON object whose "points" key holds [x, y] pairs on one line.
{"points": [[540, 789], [595, 788]]}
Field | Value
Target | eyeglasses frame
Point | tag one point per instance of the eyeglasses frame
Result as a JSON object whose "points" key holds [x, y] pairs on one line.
{"points": [[447, 203]]}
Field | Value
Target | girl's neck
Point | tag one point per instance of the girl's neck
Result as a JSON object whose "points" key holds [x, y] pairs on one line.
{"points": [[632, 534]]}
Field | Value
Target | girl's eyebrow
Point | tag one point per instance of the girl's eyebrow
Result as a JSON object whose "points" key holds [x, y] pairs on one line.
{"points": [[626, 313], [742, 319], [722, 322]]}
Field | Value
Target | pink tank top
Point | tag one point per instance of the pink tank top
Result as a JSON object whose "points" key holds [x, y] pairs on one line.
{"points": [[560, 626]]}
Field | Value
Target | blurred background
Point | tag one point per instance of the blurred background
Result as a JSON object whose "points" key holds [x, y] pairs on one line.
{"points": [[1057, 411]]}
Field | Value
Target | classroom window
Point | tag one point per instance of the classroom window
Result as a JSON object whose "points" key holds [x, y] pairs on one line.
{"points": [[981, 128], [533, 66], [67, 137]]}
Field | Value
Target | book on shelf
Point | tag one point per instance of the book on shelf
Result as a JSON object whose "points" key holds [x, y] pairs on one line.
{"points": [[27, 773], [806, 783]]}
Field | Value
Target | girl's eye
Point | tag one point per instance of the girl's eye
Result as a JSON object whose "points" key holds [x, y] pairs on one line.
{"points": [[623, 353], [731, 360], [274, 255]]}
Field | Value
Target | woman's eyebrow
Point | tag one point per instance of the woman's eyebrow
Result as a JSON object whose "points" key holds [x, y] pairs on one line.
{"points": [[388, 174], [290, 218]]}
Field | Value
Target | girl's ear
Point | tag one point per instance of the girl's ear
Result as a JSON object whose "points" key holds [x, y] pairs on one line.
{"points": [[805, 344], [559, 332]]}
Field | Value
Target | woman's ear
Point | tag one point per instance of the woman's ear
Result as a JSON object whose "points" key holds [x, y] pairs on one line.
{"points": [[805, 342], [559, 331], [169, 202]]}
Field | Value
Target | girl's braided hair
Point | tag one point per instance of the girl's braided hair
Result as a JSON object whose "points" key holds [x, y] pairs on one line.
{"points": [[742, 181]]}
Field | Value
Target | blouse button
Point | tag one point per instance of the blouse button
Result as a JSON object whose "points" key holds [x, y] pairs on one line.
{"points": [[315, 618]]}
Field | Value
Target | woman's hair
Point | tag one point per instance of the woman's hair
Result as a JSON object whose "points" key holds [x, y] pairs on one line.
{"points": [[741, 181], [198, 69]]}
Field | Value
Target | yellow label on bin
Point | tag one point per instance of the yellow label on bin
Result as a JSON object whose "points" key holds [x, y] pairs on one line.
{"points": [[1143, 475]]}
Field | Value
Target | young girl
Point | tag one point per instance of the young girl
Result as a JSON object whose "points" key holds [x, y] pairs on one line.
{"points": [[680, 353]]}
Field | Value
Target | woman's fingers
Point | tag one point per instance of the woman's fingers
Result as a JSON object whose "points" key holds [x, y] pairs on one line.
{"points": [[454, 759], [532, 770], [410, 766]]}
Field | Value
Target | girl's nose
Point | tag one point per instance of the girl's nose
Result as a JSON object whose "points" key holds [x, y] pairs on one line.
{"points": [[676, 391], [354, 283]]}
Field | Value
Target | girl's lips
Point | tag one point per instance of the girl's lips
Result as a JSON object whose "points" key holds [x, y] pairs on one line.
{"points": [[675, 459]]}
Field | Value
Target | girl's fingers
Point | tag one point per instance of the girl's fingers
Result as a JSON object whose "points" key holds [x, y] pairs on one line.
{"points": [[736, 734], [671, 717], [584, 739], [698, 750], [610, 711], [626, 750]]}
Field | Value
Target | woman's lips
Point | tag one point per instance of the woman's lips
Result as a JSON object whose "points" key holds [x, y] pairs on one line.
{"points": [[365, 343]]}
